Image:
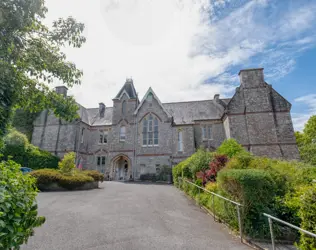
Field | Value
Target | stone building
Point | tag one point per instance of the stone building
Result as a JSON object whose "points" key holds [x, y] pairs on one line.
{"points": [[134, 137]]}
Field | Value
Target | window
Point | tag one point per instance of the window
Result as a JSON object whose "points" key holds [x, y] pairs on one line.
{"points": [[204, 136], [207, 132], [103, 137], [122, 133], [157, 168], [82, 135], [150, 131], [101, 160], [180, 142], [150, 97], [210, 132], [123, 107]]}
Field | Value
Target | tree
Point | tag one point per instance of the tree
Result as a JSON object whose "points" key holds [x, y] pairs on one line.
{"points": [[306, 141], [67, 164], [31, 58]]}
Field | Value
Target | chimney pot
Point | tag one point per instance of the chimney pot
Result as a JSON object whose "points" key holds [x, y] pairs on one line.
{"points": [[62, 90], [101, 109]]}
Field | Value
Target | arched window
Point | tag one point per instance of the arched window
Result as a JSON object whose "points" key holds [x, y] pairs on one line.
{"points": [[122, 133], [123, 107], [150, 131]]}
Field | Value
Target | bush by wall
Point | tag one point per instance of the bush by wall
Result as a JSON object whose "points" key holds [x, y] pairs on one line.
{"points": [[230, 148], [18, 209]]}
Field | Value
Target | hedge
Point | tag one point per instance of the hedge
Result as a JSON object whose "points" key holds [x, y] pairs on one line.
{"points": [[96, 175], [308, 216], [256, 190], [48, 176]]}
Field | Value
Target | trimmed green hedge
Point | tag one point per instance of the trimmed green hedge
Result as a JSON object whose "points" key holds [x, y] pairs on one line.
{"points": [[48, 176], [96, 175]]}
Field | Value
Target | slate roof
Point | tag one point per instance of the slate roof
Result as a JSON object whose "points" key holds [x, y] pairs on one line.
{"points": [[129, 88], [189, 112], [182, 112]]}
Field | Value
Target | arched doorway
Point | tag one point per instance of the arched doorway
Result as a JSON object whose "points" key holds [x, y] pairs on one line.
{"points": [[120, 168]]}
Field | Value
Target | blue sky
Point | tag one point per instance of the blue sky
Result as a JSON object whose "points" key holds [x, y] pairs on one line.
{"points": [[192, 49]]}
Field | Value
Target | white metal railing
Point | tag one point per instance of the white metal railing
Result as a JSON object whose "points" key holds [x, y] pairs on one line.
{"points": [[270, 218], [238, 205]]}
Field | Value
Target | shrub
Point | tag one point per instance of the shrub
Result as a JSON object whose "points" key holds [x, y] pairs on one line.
{"points": [[67, 164], [199, 161], [211, 186], [256, 190], [176, 173], [164, 172], [96, 175], [18, 209], [18, 148], [240, 161], [230, 148], [308, 216], [45, 177]]}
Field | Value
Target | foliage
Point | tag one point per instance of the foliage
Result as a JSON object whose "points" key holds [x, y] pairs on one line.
{"points": [[230, 148], [31, 58], [216, 164], [18, 209], [176, 173], [212, 187], [96, 175], [240, 161], [256, 190], [306, 141], [164, 173], [23, 122], [18, 148], [67, 164], [308, 215], [45, 177]]}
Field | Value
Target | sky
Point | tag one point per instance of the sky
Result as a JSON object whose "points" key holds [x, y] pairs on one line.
{"points": [[192, 49]]}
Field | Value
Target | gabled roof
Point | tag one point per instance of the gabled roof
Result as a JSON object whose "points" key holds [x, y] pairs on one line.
{"points": [[129, 89], [190, 112], [150, 90]]}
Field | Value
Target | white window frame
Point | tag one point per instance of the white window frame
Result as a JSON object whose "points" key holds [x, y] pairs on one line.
{"points": [[180, 141], [123, 133], [150, 131]]}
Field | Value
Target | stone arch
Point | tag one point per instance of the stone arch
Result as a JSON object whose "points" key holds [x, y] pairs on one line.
{"points": [[121, 167]]}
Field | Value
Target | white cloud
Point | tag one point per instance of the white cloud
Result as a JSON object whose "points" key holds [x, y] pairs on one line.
{"points": [[174, 46], [299, 119]]}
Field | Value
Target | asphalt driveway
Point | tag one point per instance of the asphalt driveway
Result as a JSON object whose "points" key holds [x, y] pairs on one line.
{"points": [[126, 216]]}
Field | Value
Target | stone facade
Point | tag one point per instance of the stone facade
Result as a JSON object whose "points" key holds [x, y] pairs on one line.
{"points": [[135, 138]]}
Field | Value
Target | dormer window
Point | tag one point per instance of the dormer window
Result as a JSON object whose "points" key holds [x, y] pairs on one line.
{"points": [[123, 107]]}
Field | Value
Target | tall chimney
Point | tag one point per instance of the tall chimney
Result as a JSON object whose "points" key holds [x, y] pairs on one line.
{"points": [[101, 109], [62, 90], [216, 98], [250, 78]]}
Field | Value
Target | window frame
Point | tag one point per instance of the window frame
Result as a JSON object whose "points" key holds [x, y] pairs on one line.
{"points": [[121, 138], [207, 132], [82, 135], [124, 107], [101, 160], [180, 141], [103, 135], [150, 131]]}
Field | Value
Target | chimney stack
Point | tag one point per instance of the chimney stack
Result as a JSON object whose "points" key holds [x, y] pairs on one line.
{"points": [[250, 78], [216, 98], [62, 90], [101, 109]]}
